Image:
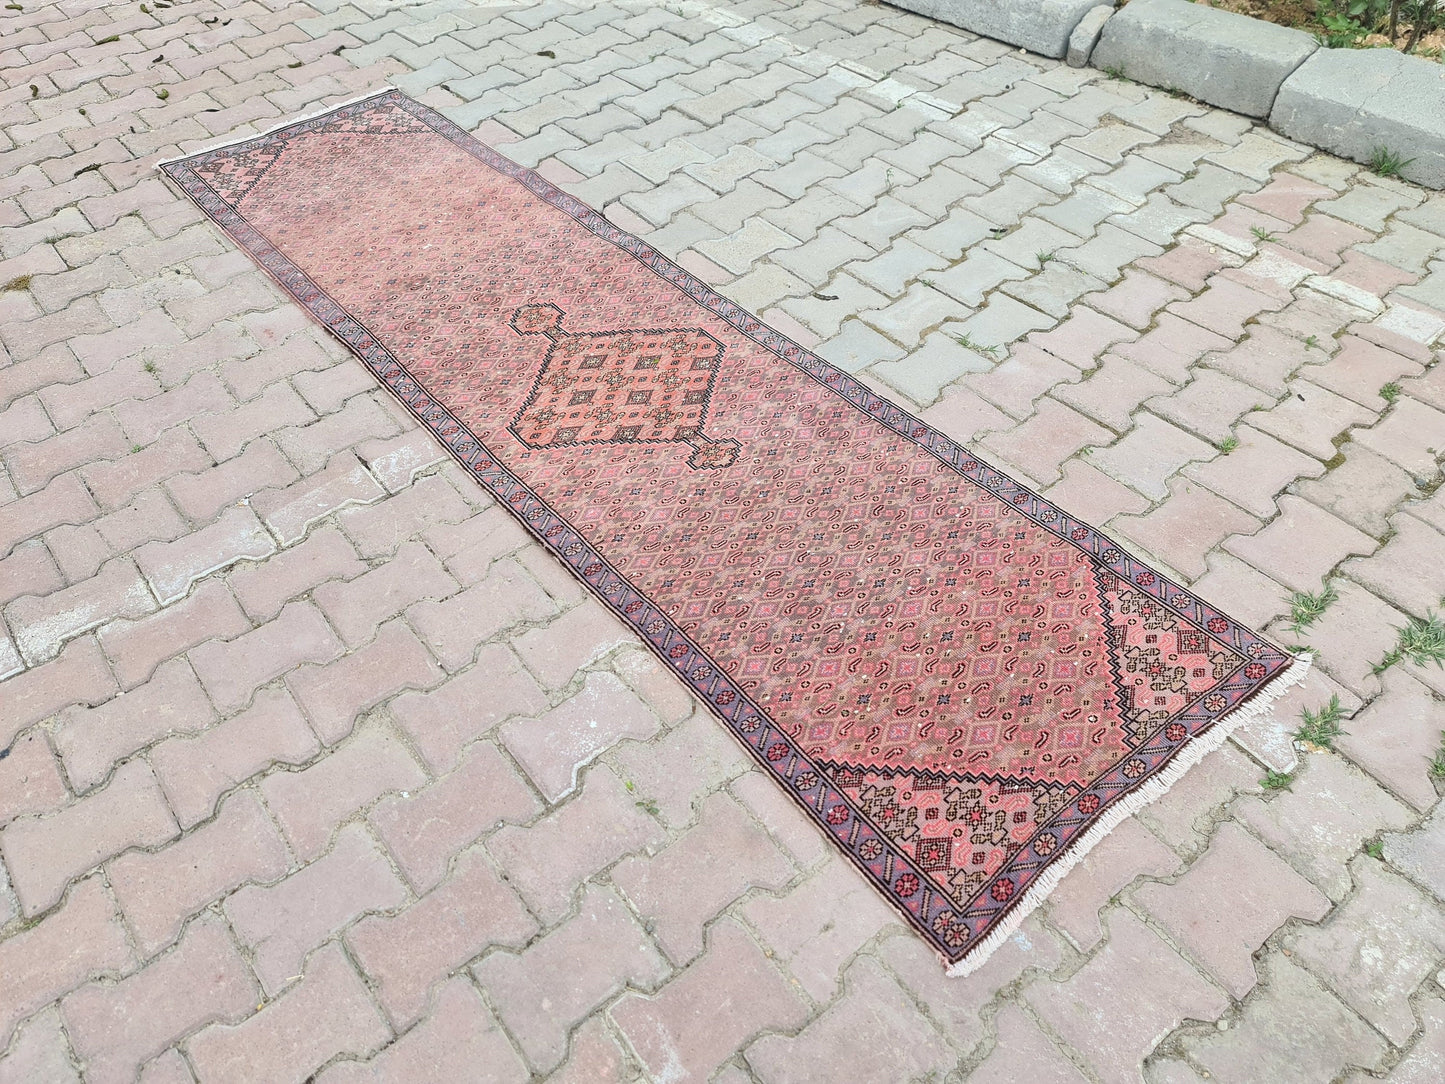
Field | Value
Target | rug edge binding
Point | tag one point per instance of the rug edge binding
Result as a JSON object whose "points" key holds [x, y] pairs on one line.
{"points": [[274, 128], [1259, 705]]}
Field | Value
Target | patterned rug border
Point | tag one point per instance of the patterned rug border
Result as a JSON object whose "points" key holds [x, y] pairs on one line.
{"points": [[963, 940]]}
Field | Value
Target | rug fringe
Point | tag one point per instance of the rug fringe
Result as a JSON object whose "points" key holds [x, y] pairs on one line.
{"points": [[275, 127], [1155, 788]]}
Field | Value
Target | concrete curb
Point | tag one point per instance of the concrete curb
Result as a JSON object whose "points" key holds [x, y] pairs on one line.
{"points": [[1220, 58], [1086, 35], [1355, 102], [1349, 102]]}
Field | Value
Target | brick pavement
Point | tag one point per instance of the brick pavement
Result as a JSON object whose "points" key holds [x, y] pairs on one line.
{"points": [[236, 848]]}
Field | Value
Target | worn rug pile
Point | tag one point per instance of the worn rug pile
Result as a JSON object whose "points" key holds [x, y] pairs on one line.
{"points": [[963, 685]]}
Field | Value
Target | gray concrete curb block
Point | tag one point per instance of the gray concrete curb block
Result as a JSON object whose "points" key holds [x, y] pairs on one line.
{"points": [[1040, 26], [1354, 101], [1086, 35], [1350, 102], [1232, 61]]}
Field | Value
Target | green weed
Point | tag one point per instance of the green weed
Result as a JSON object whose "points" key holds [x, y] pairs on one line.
{"points": [[1387, 163], [978, 348], [1306, 607], [1274, 780], [1421, 641], [1322, 727], [1437, 764]]}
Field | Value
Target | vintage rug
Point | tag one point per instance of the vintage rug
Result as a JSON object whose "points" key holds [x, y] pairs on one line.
{"points": [[963, 685]]}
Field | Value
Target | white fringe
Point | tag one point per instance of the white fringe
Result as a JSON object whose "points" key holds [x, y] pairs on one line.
{"points": [[275, 127], [1189, 756]]}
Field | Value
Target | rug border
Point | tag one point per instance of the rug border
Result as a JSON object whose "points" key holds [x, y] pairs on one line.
{"points": [[1252, 699]]}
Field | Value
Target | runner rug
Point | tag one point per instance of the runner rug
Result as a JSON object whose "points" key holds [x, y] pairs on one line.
{"points": [[961, 684]]}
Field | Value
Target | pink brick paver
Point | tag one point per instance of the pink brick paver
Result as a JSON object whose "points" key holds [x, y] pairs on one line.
{"points": [[313, 764]]}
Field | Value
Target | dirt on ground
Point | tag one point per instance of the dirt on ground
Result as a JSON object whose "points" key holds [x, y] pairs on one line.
{"points": [[1305, 15]]}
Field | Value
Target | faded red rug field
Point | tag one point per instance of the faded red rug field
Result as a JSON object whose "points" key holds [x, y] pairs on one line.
{"points": [[961, 684]]}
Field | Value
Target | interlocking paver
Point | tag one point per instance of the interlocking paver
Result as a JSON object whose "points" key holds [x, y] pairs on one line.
{"points": [[44, 854], [1255, 472], [1292, 1028], [1160, 992], [1151, 454], [874, 1031], [546, 990], [281, 923], [1267, 891], [1190, 522], [733, 987], [91, 740], [1395, 737], [554, 747], [425, 829], [328, 1012], [113, 1029], [233, 670], [333, 696], [457, 1039], [309, 804], [1276, 551], [39, 1051], [1418, 855], [1022, 1051], [1126, 854], [1320, 825], [82, 939], [1377, 948], [406, 953], [1040, 445], [30, 780], [723, 855]]}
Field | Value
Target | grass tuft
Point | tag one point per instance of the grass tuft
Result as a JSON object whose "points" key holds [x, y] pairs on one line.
{"points": [[978, 348], [1274, 780], [1421, 641], [1322, 727], [1390, 392], [1387, 163], [1437, 764], [1261, 234], [1229, 444], [1305, 608]]}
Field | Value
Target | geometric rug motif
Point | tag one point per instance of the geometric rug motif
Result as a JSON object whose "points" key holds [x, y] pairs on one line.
{"points": [[960, 683]]}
